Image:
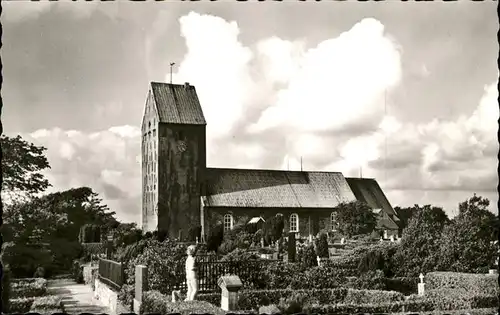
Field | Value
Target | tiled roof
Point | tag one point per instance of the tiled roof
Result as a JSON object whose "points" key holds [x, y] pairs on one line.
{"points": [[275, 189], [177, 104], [368, 191]]}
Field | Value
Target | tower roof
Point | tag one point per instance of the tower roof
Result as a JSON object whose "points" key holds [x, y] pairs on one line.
{"points": [[177, 104]]}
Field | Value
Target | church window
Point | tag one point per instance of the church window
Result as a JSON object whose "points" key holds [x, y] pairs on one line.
{"points": [[228, 222], [154, 132], [294, 223], [333, 221]]}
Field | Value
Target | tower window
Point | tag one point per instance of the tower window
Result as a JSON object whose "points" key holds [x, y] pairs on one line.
{"points": [[294, 222], [228, 222]]}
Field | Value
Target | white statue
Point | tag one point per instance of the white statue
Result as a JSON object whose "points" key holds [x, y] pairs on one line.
{"points": [[191, 273], [421, 278]]}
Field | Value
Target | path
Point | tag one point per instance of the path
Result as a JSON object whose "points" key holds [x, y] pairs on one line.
{"points": [[77, 298]]}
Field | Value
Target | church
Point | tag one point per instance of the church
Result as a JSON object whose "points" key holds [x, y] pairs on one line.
{"points": [[180, 192]]}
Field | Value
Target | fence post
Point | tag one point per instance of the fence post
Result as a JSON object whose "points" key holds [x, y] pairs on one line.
{"points": [[141, 285]]}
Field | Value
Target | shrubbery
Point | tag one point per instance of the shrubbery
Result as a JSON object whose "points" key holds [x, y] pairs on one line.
{"points": [[77, 272], [47, 305], [307, 257], [126, 295], [474, 283], [165, 261], [20, 305], [155, 302], [31, 287], [322, 246]]}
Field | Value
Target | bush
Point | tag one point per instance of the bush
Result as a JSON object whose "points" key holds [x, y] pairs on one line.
{"points": [[405, 285], [155, 302], [31, 287], [372, 297], [165, 261], [126, 295], [253, 299], [20, 305], [215, 238], [322, 246], [257, 237], [90, 233], [379, 256], [77, 272], [47, 305], [372, 280], [458, 299], [25, 259], [279, 274], [317, 278], [240, 255], [474, 283], [39, 272], [307, 257]]}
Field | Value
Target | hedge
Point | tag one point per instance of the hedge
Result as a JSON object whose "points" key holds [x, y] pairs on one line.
{"points": [[456, 299], [20, 305], [47, 305], [372, 296], [253, 299], [405, 285], [31, 287], [155, 302], [481, 284]]}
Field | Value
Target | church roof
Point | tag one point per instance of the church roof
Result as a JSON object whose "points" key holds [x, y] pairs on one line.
{"points": [[368, 191], [177, 104], [275, 189]]}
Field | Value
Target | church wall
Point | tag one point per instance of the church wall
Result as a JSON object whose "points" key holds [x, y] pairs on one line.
{"points": [[319, 217], [180, 173]]}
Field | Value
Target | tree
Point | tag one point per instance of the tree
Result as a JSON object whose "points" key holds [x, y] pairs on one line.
{"points": [[467, 243], [355, 218], [322, 246], [404, 215], [419, 248], [215, 238], [22, 166], [273, 229]]}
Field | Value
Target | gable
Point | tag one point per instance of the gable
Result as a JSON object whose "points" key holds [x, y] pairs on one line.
{"points": [[150, 112], [177, 104], [369, 191], [275, 189]]}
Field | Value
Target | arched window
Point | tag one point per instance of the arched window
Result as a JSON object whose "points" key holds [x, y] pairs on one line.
{"points": [[333, 221], [294, 223], [228, 222]]}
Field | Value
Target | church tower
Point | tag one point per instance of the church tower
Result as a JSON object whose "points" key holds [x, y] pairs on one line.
{"points": [[173, 159]]}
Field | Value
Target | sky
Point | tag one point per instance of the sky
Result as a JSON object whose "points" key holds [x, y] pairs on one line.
{"points": [[402, 92]]}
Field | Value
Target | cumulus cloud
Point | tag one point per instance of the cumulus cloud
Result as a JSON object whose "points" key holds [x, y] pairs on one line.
{"points": [[107, 161], [270, 104]]}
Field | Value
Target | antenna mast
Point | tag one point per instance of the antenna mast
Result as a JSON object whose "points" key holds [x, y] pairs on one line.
{"points": [[171, 65], [301, 164], [385, 140]]}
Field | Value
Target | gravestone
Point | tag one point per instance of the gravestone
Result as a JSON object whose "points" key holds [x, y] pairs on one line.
{"points": [[230, 286], [421, 285]]}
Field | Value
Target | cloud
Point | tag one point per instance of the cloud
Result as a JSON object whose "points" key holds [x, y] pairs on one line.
{"points": [[107, 161]]}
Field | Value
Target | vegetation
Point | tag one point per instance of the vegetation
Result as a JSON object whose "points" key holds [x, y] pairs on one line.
{"points": [[355, 218]]}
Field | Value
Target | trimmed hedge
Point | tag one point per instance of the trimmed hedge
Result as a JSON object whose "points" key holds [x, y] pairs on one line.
{"points": [[372, 297], [31, 287], [47, 305], [457, 299], [405, 285], [20, 305], [155, 302], [480, 284]]}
